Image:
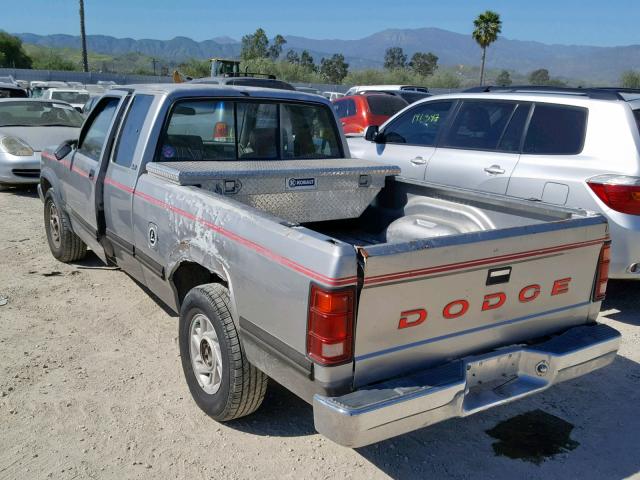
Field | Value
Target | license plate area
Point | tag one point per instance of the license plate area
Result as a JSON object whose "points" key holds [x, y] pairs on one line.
{"points": [[492, 369], [496, 379]]}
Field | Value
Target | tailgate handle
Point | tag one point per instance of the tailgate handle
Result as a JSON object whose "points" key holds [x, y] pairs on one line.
{"points": [[500, 275]]}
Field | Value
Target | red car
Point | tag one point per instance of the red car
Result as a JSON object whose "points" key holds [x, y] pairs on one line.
{"points": [[357, 112]]}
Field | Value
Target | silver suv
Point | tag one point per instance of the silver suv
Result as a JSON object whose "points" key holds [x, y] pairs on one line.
{"points": [[574, 147]]}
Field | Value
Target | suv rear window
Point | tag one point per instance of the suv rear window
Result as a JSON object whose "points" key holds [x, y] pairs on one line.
{"points": [[386, 105], [345, 108], [556, 130]]}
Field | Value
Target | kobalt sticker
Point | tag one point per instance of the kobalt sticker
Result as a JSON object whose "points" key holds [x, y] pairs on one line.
{"points": [[301, 183]]}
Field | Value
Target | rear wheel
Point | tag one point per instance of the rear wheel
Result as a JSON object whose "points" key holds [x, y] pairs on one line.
{"points": [[64, 244], [220, 378]]}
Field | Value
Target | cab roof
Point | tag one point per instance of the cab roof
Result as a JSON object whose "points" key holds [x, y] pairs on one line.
{"points": [[177, 90]]}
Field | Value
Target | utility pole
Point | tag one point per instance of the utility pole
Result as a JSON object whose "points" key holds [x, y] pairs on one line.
{"points": [[154, 62], [83, 38]]}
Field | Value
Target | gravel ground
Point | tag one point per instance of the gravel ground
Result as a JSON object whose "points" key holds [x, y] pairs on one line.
{"points": [[91, 387]]}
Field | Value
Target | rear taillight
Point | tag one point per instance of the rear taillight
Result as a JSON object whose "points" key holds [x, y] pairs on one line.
{"points": [[330, 325], [602, 276], [619, 192]]}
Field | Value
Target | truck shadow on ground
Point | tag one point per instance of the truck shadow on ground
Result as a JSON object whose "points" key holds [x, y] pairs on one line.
{"points": [[603, 408], [282, 414], [623, 296]]}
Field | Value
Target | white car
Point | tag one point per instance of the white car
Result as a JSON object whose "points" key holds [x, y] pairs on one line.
{"points": [[27, 126], [332, 95], [386, 88], [74, 96], [574, 147]]}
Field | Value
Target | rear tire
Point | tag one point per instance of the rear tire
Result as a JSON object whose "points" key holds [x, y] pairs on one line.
{"points": [[64, 244], [221, 380]]}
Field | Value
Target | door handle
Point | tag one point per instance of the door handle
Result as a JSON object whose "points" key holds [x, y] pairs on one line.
{"points": [[418, 161], [495, 170], [92, 173]]}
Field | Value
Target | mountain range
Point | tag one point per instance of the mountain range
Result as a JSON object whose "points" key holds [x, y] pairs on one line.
{"points": [[587, 63]]}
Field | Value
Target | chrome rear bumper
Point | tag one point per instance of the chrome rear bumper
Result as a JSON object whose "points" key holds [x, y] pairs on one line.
{"points": [[463, 387]]}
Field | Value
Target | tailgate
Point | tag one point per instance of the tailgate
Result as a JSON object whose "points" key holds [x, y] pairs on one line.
{"points": [[435, 300]]}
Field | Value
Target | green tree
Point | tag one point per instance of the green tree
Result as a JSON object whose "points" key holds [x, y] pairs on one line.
{"points": [[630, 79], [195, 68], [394, 58], [539, 77], [334, 69], [292, 57], [503, 79], [255, 45], [487, 27], [276, 47], [52, 60], [11, 52], [307, 62], [83, 39], [424, 63]]}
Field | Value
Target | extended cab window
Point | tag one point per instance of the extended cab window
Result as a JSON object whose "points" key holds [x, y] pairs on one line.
{"points": [[248, 130], [479, 125], [556, 130], [96, 134], [307, 132], [131, 128], [419, 125]]}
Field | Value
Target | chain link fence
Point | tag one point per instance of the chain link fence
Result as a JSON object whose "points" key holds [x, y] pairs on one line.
{"points": [[82, 77]]}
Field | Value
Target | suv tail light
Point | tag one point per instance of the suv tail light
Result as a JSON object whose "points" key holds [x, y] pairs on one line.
{"points": [[602, 276], [330, 325], [619, 192]]}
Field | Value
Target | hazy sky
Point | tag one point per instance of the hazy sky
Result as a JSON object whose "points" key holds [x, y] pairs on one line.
{"points": [[551, 21]]}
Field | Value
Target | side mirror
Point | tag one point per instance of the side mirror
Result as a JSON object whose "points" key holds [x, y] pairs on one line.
{"points": [[372, 134], [65, 149]]}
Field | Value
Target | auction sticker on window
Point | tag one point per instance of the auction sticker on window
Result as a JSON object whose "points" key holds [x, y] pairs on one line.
{"points": [[301, 183]]}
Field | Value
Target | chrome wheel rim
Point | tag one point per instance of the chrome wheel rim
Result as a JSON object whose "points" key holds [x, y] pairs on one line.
{"points": [[54, 225], [205, 353]]}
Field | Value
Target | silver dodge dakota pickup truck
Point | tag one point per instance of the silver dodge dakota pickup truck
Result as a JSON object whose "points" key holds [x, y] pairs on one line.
{"points": [[386, 303]]}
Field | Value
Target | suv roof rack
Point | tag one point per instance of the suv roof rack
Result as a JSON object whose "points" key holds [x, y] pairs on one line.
{"points": [[599, 93]]}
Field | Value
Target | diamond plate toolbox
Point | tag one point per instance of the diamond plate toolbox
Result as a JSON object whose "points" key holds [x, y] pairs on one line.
{"points": [[298, 191]]}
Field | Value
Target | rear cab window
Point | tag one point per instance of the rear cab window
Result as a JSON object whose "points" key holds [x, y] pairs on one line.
{"points": [[387, 105], [228, 130], [556, 130]]}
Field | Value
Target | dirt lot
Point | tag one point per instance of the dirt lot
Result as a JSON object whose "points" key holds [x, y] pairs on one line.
{"points": [[91, 387]]}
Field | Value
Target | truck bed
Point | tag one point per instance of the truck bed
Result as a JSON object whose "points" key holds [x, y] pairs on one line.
{"points": [[406, 211]]}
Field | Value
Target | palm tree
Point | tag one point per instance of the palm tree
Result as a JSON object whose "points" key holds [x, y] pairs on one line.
{"points": [[83, 38], [487, 27]]}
